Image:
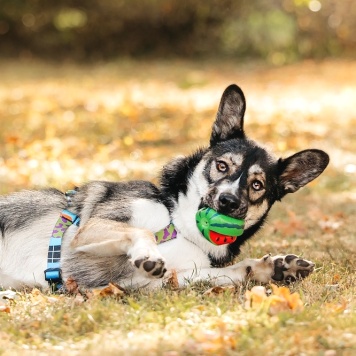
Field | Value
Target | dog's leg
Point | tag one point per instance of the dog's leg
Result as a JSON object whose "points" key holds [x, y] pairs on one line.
{"points": [[102, 237], [255, 269], [266, 269]]}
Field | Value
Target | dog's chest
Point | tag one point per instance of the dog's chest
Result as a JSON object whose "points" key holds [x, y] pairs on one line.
{"points": [[148, 214]]}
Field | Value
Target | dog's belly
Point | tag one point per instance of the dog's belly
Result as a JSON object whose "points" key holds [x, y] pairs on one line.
{"points": [[180, 254], [23, 254]]}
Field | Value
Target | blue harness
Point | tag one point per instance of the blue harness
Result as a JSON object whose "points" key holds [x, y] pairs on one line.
{"points": [[53, 272]]}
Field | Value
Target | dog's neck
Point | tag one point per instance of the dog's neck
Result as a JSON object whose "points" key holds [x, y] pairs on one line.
{"points": [[184, 212]]}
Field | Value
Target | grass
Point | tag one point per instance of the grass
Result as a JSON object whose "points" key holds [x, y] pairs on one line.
{"points": [[63, 125]]}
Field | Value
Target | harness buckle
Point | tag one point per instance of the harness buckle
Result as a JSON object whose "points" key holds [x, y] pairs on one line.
{"points": [[53, 275]]}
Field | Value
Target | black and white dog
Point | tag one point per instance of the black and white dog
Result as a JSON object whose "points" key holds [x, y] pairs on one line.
{"points": [[115, 241]]}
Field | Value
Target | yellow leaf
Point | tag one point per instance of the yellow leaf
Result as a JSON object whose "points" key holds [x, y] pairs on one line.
{"points": [[255, 297], [281, 300]]}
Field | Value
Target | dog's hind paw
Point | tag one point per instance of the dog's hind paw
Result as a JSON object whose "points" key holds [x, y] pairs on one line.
{"points": [[153, 267], [144, 256], [290, 268], [148, 261]]}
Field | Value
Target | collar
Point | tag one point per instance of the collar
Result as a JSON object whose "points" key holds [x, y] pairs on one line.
{"points": [[166, 234]]}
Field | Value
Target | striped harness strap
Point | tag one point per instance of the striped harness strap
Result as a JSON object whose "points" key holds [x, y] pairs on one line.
{"points": [[53, 271]]}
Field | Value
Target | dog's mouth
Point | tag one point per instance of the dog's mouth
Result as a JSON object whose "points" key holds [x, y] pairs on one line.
{"points": [[238, 213]]}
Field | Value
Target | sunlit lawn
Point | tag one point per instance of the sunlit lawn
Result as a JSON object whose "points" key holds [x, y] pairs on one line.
{"points": [[62, 125]]}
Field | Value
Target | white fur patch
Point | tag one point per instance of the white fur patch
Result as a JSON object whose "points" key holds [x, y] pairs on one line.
{"points": [[228, 187], [150, 215], [255, 169], [236, 158], [185, 211], [23, 254]]}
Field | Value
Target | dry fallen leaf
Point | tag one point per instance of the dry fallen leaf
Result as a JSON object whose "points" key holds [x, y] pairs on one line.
{"points": [[172, 280], [37, 297], [255, 297], [336, 307], [112, 290], [71, 286], [217, 290], [292, 301], [4, 308], [281, 300]]}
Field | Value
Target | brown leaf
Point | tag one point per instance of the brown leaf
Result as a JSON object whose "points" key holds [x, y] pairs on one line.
{"points": [[172, 280], [4, 308], [218, 290], [112, 290], [71, 286]]}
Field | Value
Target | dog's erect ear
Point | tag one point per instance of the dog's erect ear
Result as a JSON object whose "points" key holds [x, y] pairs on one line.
{"points": [[298, 170], [230, 117]]}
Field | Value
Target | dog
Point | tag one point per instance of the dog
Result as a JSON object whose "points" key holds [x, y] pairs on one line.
{"points": [[115, 240]]}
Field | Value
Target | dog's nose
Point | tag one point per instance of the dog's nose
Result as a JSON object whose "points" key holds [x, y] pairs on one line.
{"points": [[228, 202]]}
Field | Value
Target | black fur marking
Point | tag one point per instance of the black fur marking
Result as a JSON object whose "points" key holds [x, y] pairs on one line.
{"points": [[302, 263], [302, 273], [175, 176], [230, 116], [278, 275], [278, 270], [290, 258], [290, 279]]}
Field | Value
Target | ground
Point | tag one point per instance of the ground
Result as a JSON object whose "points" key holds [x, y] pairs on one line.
{"points": [[62, 125]]}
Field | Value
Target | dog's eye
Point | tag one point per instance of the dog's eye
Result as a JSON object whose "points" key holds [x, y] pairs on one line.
{"points": [[221, 166], [257, 185]]}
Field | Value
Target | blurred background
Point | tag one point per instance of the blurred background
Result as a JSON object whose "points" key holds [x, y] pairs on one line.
{"points": [[278, 31], [112, 89]]}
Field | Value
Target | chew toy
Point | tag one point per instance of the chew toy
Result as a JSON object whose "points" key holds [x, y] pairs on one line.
{"points": [[217, 228]]}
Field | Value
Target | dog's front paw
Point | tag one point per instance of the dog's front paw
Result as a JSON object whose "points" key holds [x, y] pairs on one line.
{"points": [[290, 268]]}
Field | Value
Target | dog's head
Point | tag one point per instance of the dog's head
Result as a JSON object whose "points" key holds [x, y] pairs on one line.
{"points": [[244, 179]]}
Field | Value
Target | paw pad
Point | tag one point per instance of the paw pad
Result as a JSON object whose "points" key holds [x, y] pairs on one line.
{"points": [[290, 268], [154, 268]]}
